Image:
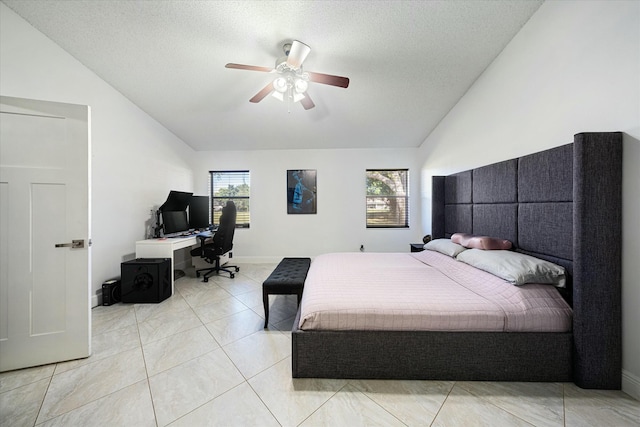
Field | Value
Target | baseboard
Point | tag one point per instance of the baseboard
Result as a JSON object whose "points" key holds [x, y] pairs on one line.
{"points": [[631, 384], [95, 301]]}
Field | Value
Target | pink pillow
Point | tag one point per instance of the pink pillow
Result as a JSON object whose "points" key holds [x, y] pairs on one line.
{"points": [[480, 242], [461, 238]]}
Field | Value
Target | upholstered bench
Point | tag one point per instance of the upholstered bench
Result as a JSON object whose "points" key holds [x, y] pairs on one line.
{"points": [[287, 279]]}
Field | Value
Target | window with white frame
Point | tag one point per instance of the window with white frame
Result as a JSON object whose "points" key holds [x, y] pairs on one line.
{"points": [[387, 198], [234, 186]]}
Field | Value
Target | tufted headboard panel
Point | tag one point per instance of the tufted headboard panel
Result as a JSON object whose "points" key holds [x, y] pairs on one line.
{"points": [[528, 201], [562, 205]]}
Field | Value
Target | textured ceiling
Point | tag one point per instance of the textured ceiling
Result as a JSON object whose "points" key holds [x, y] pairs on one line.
{"points": [[409, 62]]}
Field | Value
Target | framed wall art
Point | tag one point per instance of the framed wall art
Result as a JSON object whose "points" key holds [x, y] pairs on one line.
{"points": [[301, 191]]}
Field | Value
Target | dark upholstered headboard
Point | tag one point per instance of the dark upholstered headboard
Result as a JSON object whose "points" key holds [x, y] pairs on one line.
{"points": [[562, 205]]}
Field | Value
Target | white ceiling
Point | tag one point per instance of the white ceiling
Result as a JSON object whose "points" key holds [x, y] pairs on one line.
{"points": [[408, 62]]}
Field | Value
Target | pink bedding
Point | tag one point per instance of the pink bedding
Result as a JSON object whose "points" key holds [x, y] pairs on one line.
{"points": [[422, 291]]}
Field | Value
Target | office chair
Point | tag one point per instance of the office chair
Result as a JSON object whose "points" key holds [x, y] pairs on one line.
{"points": [[221, 244]]}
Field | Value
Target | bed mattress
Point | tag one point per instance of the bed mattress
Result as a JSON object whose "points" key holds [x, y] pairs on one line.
{"points": [[423, 291]]}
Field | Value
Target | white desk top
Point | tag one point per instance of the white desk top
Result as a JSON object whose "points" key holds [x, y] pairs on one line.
{"points": [[174, 242]]}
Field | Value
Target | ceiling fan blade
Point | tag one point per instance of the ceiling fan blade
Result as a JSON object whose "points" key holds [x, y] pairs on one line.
{"points": [[297, 54], [306, 102], [249, 67], [328, 79], [262, 94]]}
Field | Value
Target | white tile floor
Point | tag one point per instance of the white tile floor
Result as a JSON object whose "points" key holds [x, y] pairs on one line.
{"points": [[202, 357]]}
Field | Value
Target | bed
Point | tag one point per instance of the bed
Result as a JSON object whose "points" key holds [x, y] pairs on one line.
{"points": [[561, 205]]}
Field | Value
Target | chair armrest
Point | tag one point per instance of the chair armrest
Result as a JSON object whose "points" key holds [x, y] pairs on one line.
{"points": [[202, 237]]}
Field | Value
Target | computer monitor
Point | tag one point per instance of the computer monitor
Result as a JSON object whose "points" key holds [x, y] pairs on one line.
{"points": [[174, 221], [174, 212], [176, 201], [199, 212]]}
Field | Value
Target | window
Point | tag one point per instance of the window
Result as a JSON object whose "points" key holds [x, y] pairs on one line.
{"points": [[234, 186], [387, 198]]}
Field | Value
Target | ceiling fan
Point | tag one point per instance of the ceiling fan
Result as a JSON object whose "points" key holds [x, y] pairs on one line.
{"points": [[292, 82]]}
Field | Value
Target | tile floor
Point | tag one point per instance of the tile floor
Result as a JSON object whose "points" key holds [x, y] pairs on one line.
{"points": [[202, 357]]}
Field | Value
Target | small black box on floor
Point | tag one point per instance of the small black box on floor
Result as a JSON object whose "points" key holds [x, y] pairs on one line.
{"points": [[146, 280], [111, 292]]}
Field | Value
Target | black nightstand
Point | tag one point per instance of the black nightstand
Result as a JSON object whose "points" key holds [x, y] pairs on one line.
{"points": [[417, 247]]}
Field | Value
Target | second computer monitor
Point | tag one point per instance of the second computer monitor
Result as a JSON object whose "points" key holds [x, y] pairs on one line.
{"points": [[199, 212]]}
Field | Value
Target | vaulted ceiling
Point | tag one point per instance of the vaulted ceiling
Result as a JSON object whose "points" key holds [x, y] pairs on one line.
{"points": [[408, 62]]}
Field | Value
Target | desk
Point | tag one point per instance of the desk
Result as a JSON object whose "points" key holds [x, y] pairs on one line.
{"points": [[164, 248]]}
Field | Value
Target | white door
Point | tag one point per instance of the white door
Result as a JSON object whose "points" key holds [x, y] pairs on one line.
{"points": [[44, 203]]}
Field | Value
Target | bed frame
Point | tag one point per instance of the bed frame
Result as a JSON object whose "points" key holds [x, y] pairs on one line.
{"points": [[562, 205]]}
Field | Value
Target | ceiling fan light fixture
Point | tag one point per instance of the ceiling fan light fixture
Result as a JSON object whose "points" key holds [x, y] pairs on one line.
{"points": [[278, 95], [301, 85], [280, 85], [298, 97]]}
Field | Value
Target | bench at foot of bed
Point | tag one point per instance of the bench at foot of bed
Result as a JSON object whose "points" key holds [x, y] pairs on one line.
{"points": [[287, 279]]}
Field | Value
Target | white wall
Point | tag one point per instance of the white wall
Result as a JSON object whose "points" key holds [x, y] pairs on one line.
{"points": [[339, 224], [574, 67], [135, 161]]}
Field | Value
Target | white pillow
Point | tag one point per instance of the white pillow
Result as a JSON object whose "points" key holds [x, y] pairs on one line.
{"points": [[514, 267], [445, 246]]}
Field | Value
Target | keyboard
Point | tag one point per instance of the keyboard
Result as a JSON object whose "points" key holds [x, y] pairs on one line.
{"points": [[186, 233], [189, 233]]}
